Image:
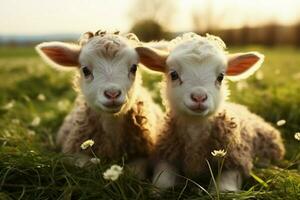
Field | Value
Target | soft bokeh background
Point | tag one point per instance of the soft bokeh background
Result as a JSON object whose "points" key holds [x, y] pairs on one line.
{"points": [[240, 22], [34, 98]]}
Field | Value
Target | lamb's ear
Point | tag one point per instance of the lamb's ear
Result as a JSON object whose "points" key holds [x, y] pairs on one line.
{"points": [[153, 59], [59, 53], [242, 65], [132, 36]]}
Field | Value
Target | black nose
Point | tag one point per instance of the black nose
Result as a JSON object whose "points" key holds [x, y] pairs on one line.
{"points": [[199, 98], [112, 93]]}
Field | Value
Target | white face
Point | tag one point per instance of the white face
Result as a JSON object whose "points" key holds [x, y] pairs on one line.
{"points": [[194, 67], [194, 86], [108, 82]]}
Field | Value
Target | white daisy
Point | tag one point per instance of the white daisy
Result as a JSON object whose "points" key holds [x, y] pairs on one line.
{"points": [[86, 144], [36, 121], [113, 173], [95, 160], [9, 105], [219, 153], [297, 136], [281, 122], [41, 97]]}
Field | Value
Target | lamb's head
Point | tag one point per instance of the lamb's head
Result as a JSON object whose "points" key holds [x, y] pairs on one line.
{"points": [[195, 67], [107, 63]]}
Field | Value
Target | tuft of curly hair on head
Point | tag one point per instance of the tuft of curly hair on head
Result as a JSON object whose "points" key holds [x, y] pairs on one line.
{"points": [[84, 38]]}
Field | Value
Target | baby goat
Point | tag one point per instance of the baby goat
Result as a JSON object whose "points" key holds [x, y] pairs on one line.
{"points": [[198, 118], [112, 107]]}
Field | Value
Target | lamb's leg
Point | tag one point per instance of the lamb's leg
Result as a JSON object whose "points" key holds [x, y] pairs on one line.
{"points": [[164, 175], [230, 180], [139, 167]]}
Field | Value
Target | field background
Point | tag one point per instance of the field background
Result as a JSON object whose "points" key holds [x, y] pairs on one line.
{"points": [[31, 167]]}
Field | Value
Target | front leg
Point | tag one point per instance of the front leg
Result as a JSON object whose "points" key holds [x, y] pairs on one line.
{"points": [[164, 175], [230, 180], [139, 167]]}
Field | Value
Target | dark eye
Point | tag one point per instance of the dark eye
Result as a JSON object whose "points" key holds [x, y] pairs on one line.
{"points": [[133, 68], [86, 72], [174, 75], [220, 77]]}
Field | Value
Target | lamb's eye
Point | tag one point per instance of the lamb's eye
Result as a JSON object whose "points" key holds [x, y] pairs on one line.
{"points": [[86, 72], [220, 77], [174, 75], [133, 68]]}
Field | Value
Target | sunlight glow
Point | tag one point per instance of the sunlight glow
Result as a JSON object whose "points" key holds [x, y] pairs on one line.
{"points": [[76, 16]]}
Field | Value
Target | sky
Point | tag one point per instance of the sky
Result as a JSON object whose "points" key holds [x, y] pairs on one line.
{"points": [[32, 17]]}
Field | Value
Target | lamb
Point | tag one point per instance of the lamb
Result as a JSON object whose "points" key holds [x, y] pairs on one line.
{"points": [[199, 121], [112, 108]]}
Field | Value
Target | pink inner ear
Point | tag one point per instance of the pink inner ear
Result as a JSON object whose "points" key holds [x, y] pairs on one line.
{"points": [[241, 64], [62, 56]]}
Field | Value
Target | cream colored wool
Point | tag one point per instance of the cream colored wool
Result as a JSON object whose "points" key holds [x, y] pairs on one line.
{"points": [[130, 132], [242, 134], [190, 135], [135, 134]]}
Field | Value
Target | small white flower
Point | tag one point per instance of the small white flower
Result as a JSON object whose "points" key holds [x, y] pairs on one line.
{"points": [[281, 122], [9, 105], [86, 144], [63, 105], [259, 75], [296, 76], [219, 153], [15, 121], [95, 160], [116, 168], [41, 97], [31, 133], [242, 85], [26, 98], [6, 133], [36, 121], [113, 173], [297, 136]]}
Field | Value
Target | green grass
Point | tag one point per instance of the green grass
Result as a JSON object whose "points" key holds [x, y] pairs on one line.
{"points": [[32, 168]]}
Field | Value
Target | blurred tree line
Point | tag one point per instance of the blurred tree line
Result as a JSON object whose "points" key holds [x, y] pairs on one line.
{"points": [[152, 17]]}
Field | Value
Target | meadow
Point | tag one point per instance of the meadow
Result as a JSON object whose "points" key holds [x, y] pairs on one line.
{"points": [[34, 98]]}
